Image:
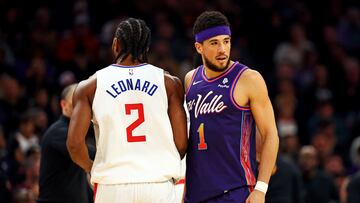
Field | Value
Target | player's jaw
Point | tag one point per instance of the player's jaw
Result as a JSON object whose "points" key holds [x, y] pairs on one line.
{"points": [[220, 63], [222, 60]]}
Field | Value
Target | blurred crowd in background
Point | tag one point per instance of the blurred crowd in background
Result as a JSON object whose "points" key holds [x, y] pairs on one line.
{"points": [[307, 50]]}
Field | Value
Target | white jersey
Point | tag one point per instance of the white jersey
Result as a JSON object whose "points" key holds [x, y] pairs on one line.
{"points": [[133, 133]]}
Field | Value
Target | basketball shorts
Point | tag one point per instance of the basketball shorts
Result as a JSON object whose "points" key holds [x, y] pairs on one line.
{"points": [[162, 192], [236, 195], [179, 188]]}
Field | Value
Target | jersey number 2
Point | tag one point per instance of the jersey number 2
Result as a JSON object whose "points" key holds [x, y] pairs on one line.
{"points": [[140, 109]]}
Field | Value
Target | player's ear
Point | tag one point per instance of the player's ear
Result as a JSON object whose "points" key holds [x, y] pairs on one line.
{"points": [[198, 47], [62, 103], [115, 46]]}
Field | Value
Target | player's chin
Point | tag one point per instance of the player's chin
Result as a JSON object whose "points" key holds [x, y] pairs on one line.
{"points": [[222, 66]]}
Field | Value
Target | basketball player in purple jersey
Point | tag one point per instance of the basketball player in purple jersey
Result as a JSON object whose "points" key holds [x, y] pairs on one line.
{"points": [[227, 101]]}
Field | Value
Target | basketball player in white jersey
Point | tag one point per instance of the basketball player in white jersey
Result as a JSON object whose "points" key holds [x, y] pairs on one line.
{"points": [[140, 124]]}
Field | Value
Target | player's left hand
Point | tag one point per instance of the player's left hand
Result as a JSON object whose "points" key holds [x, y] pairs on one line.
{"points": [[256, 197]]}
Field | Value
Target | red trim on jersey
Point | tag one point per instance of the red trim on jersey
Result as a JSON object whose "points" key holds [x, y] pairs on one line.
{"points": [[245, 149], [233, 89], [181, 181], [95, 190]]}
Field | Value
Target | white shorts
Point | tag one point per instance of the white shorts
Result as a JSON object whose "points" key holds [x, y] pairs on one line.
{"points": [[163, 192], [179, 188]]}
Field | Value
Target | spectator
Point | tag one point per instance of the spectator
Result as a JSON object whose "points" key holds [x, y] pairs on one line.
{"points": [[286, 183], [25, 136], [55, 158], [319, 187], [293, 51]]}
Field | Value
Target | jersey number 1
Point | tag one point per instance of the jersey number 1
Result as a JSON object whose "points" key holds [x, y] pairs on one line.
{"points": [[140, 109], [202, 144]]}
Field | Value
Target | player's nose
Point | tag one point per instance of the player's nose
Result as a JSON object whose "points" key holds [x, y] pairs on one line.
{"points": [[221, 48]]}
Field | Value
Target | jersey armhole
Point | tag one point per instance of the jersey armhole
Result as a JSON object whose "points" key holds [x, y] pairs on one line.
{"points": [[232, 90], [192, 80], [95, 95], [165, 92]]}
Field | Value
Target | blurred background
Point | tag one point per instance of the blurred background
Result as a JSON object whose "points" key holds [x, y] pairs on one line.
{"points": [[307, 50]]}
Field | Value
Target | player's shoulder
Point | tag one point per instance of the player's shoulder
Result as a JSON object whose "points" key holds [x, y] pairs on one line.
{"points": [[155, 68], [188, 78], [173, 85], [252, 82], [86, 87], [171, 80], [190, 74], [251, 75], [107, 68], [89, 81]]}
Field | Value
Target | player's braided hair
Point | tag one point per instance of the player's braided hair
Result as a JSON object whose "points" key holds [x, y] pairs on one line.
{"points": [[209, 19], [134, 37]]}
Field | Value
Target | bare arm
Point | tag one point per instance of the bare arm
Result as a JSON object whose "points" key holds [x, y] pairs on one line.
{"points": [[256, 96], [263, 113], [80, 122], [254, 93], [176, 111]]}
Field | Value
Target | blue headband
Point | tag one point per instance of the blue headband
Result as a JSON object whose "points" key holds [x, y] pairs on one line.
{"points": [[211, 32]]}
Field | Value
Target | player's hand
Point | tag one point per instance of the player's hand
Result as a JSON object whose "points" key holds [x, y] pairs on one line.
{"points": [[256, 197]]}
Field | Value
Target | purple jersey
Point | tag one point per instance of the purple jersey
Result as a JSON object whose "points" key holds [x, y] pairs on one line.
{"points": [[221, 153]]}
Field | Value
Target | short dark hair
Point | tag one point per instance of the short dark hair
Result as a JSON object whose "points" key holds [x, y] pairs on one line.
{"points": [[135, 37], [209, 19], [66, 91]]}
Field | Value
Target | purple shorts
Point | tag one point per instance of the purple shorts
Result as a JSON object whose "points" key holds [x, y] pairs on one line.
{"points": [[237, 195]]}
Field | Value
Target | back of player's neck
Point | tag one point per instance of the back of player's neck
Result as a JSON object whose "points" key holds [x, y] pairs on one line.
{"points": [[128, 62]]}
